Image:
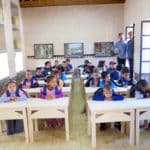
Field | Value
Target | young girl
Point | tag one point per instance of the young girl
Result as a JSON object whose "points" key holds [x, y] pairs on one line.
{"points": [[11, 95], [49, 92], [106, 80], [29, 81]]}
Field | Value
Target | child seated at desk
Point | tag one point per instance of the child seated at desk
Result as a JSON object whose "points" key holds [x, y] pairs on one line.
{"points": [[107, 94], [125, 80], [93, 81], [49, 92], [55, 73], [38, 74], [113, 71], [106, 80], [13, 94], [29, 81], [62, 73], [142, 89], [47, 68]]}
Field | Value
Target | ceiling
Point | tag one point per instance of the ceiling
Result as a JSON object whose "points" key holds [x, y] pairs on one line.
{"points": [[42, 3]]}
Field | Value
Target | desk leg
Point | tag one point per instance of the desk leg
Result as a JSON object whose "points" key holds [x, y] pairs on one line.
{"points": [[25, 123], [30, 123], [1, 127], [89, 122], [93, 131], [36, 125], [132, 139], [137, 131], [67, 124]]}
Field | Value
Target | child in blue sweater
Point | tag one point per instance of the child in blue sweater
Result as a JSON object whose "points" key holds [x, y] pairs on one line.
{"points": [[107, 94]]}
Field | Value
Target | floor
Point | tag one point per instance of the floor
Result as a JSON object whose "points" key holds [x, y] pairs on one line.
{"points": [[54, 139]]}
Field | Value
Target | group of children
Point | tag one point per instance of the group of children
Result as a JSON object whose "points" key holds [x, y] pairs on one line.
{"points": [[106, 78], [53, 77]]}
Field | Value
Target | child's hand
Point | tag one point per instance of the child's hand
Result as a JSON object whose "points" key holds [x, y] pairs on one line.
{"points": [[13, 98], [50, 97], [125, 86]]}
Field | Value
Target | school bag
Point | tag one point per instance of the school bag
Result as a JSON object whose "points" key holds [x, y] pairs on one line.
{"points": [[45, 90]]}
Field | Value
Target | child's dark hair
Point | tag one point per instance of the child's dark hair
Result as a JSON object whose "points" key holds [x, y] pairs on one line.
{"points": [[49, 78], [61, 68], [54, 72], [125, 70], [47, 62], [141, 83], [68, 60], [29, 71], [38, 68], [108, 87], [119, 34], [104, 74], [101, 63]]}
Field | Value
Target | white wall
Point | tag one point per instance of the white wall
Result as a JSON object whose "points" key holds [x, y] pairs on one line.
{"points": [[62, 24], [135, 12]]}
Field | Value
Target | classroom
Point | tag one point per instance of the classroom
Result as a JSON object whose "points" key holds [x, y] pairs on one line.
{"points": [[75, 74]]}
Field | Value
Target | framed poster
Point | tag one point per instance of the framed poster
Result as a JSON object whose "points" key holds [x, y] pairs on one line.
{"points": [[103, 49], [73, 50], [43, 51]]}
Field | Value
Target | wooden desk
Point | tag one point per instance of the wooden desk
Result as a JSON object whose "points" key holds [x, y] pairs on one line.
{"points": [[35, 91], [41, 109], [68, 82], [142, 113], [89, 91], [114, 111], [84, 76], [15, 111], [69, 76]]}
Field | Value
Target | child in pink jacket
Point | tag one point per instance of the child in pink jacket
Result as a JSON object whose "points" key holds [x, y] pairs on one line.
{"points": [[49, 92]]}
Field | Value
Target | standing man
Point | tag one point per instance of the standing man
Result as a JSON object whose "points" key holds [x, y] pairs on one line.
{"points": [[130, 52], [120, 49]]}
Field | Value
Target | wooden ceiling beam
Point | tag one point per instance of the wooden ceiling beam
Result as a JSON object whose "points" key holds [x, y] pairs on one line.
{"points": [[42, 3]]}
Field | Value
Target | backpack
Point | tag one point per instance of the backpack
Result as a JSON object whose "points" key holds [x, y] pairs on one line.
{"points": [[16, 93], [25, 81], [45, 90]]}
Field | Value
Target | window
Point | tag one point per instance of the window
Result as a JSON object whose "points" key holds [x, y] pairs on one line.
{"points": [[19, 61], [145, 50], [128, 29], [4, 65]]}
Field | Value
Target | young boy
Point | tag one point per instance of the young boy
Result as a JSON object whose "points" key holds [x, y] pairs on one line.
{"points": [[47, 68], [107, 94], [125, 80], [38, 74], [106, 80], [113, 71]]}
